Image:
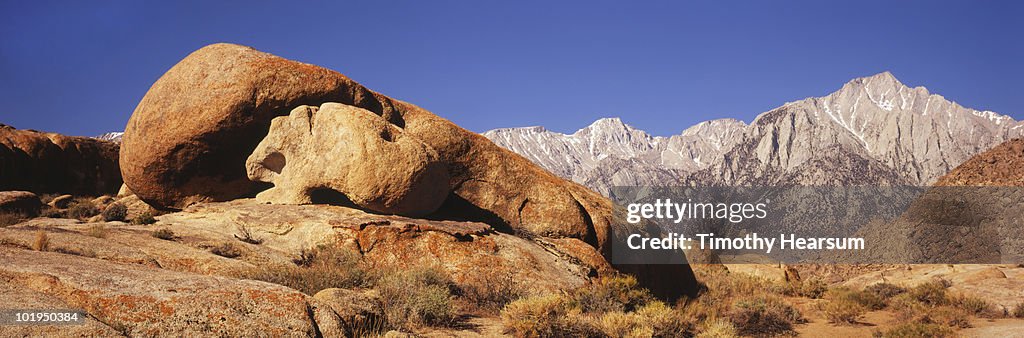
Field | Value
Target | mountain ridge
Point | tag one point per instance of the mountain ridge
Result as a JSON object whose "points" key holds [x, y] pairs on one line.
{"points": [[913, 133]]}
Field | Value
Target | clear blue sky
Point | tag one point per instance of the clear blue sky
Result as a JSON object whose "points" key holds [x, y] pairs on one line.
{"points": [[80, 67]]}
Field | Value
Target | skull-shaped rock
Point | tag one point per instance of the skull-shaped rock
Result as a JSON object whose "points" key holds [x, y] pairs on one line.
{"points": [[313, 154]]}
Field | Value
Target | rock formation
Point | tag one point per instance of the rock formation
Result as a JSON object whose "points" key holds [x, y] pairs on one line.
{"points": [[53, 163], [352, 151], [221, 100], [1002, 165], [22, 202]]}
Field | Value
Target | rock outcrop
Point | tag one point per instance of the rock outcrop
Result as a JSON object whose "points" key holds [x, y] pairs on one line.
{"points": [[135, 300], [22, 202], [53, 163], [1002, 165], [315, 153], [222, 98]]}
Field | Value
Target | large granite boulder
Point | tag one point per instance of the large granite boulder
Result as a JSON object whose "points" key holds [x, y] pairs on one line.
{"points": [[53, 163], [315, 153]]}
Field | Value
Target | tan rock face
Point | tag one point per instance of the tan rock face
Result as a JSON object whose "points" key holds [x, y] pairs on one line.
{"points": [[188, 138], [20, 201], [352, 151], [999, 166], [54, 163], [142, 301]]}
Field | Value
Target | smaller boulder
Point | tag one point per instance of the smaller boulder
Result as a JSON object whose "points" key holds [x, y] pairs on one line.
{"points": [[124, 191], [23, 202], [61, 202], [340, 154]]}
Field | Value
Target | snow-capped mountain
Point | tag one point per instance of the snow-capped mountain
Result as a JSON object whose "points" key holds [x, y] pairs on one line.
{"points": [[609, 152], [873, 130], [114, 136]]}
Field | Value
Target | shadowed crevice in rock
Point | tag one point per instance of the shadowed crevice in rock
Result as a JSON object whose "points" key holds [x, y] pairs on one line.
{"points": [[456, 208], [330, 197]]}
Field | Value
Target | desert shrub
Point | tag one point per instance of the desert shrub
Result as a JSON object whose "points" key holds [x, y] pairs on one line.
{"points": [[82, 209], [946, 315], [664, 321], [226, 250], [652, 320], [867, 300], [245, 235], [931, 293], [610, 294], [164, 234], [975, 306], [910, 310], [11, 218], [917, 330], [885, 290], [842, 311], [322, 268], [544, 316], [718, 328], [721, 290], [488, 290], [98, 231], [51, 212], [764, 315], [115, 212], [366, 327], [415, 297], [145, 218], [1018, 311], [41, 241], [813, 288]]}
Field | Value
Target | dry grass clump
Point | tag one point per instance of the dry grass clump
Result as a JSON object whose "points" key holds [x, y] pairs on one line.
{"points": [[226, 250], [976, 306], [608, 307], [718, 328], [1018, 311], [750, 305], [82, 209], [145, 218], [842, 310], [115, 212], [930, 303], [885, 291], [813, 288], [164, 234], [611, 294], [245, 235], [931, 293], [486, 290], [764, 315], [916, 330], [318, 269], [11, 218], [41, 241], [416, 297], [544, 316], [98, 231]]}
